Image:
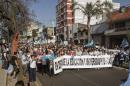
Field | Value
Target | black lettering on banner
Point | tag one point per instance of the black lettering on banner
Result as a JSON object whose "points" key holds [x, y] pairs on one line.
{"points": [[92, 61], [98, 61], [67, 61], [59, 65], [87, 61], [74, 61], [64, 62], [103, 61], [84, 61], [111, 60], [80, 61], [95, 61], [56, 67]]}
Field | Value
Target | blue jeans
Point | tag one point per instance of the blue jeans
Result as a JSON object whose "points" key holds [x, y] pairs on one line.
{"points": [[32, 74]]}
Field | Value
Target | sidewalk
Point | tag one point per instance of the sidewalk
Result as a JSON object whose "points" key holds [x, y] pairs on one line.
{"points": [[20, 77], [121, 68], [3, 77]]}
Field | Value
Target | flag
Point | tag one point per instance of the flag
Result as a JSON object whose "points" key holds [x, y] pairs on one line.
{"points": [[124, 43]]}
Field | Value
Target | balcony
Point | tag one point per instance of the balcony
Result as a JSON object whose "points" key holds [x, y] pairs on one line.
{"points": [[122, 28]]}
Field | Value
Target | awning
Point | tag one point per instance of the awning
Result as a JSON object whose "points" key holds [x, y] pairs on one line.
{"points": [[99, 28], [116, 33]]}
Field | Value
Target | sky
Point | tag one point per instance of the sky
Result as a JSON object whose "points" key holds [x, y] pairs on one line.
{"points": [[45, 10]]}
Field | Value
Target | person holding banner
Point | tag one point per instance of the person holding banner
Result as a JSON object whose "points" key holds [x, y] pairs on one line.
{"points": [[44, 62], [72, 54], [78, 52]]}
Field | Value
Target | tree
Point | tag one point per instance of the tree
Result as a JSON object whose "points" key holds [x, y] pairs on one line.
{"points": [[14, 15], [93, 9], [34, 33]]}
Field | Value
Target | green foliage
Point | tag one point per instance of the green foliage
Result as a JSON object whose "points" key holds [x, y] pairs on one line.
{"points": [[34, 33], [23, 37], [28, 37], [14, 14], [93, 10]]}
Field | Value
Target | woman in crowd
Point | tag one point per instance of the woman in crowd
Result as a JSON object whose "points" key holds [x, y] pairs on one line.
{"points": [[14, 62]]}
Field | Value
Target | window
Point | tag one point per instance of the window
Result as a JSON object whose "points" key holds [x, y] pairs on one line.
{"points": [[86, 33], [75, 35], [81, 33]]}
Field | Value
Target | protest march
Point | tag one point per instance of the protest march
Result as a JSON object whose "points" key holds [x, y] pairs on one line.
{"points": [[52, 60]]}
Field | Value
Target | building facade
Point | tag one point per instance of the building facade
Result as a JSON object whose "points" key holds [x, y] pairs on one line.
{"points": [[79, 33], [119, 27], [97, 33], [49, 35], [64, 19], [66, 16], [80, 18]]}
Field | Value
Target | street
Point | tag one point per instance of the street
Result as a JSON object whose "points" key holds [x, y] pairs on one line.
{"points": [[85, 77]]}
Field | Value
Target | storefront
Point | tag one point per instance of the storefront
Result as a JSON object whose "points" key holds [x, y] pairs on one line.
{"points": [[119, 26], [114, 39], [97, 33]]}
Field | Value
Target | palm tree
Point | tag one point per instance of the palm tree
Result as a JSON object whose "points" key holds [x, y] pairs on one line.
{"points": [[93, 10]]}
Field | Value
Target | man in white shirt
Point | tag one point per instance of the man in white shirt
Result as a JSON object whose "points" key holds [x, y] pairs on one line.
{"points": [[32, 70]]}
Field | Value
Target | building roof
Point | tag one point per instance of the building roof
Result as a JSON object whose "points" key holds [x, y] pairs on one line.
{"points": [[99, 28], [119, 16]]}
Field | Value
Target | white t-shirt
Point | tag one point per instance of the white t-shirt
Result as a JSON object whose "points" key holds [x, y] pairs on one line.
{"points": [[24, 59], [32, 63]]}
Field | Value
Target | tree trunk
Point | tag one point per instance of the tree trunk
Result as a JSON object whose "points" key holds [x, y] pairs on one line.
{"points": [[14, 43], [89, 29]]}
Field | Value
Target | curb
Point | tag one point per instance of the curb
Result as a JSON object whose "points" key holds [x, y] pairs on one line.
{"points": [[121, 68]]}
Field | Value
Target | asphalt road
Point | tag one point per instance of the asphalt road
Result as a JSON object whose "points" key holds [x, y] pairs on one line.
{"points": [[85, 77]]}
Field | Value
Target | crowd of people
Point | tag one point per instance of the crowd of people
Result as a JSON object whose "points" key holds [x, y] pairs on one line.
{"points": [[40, 58]]}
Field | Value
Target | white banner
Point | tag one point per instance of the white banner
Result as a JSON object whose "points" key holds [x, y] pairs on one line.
{"points": [[57, 65], [85, 61]]}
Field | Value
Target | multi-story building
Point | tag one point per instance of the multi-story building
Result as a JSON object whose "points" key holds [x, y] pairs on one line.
{"points": [[79, 33], [119, 27], [66, 17], [27, 34], [49, 34], [80, 18]]}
